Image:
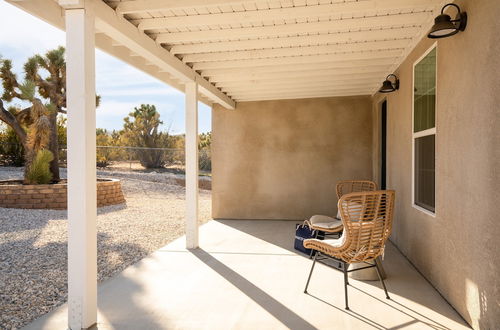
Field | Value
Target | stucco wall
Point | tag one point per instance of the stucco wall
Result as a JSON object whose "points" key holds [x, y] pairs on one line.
{"points": [[281, 159], [458, 250]]}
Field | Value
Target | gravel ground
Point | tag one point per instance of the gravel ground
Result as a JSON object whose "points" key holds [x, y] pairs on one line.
{"points": [[33, 250]]}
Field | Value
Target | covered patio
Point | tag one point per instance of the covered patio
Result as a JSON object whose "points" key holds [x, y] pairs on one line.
{"points": [[247, 276], [273, 70]]}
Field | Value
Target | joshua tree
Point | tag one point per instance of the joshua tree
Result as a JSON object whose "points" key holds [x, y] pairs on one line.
{"points": [[48, 73], [51, 87], [141, 129], [32, 126]]}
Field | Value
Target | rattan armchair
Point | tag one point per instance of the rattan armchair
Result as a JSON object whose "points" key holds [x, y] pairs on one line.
{"points": [[333, 225], [367, 220], [350, 186]]}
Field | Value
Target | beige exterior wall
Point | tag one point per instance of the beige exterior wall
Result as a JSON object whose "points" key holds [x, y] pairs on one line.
{"points": [[458, 250], [281, 159]]}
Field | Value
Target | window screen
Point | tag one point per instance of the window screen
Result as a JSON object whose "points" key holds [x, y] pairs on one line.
{"points": [[425, 172], [424, 96], [424, 131]]}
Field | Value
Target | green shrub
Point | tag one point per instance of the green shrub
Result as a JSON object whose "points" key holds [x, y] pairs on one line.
{"points": [[11, 149], [39, 171]]}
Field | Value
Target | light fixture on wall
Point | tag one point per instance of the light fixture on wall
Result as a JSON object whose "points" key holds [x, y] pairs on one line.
{"points": [[444, 26], [389, 86]]}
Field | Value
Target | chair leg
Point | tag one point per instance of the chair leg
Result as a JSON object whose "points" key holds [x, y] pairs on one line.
{"points": [[310, 273], [381, 279], [345, 285], [312, 250]]}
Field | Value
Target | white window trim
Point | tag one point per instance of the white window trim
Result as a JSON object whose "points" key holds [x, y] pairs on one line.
{"points": [[430, 131]]}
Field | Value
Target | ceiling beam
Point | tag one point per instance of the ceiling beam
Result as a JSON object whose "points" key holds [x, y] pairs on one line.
{"points": [[127, 34], [280, 89], [141, 6], [295, 68], [312, 81], [329, 58], [123, 53], [52, 13], [297, 51], [298, 41], [299, 74], [322, 10], [307, 96], [290, 29], [285, 94]]}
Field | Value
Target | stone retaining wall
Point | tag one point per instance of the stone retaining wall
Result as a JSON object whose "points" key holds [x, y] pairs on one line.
{"points": [[54, 196]]}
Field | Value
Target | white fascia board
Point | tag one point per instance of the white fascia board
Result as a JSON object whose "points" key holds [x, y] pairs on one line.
{"points": [[126, 33], [52, 13]]}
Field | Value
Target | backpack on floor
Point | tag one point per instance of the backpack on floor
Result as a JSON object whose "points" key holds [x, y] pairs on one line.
{"points": [[302, 232]]}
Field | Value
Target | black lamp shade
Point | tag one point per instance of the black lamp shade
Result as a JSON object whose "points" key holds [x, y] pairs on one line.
{"points": [[387, 87], [443, 27]]}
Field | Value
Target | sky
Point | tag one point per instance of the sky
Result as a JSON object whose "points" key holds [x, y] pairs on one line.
{"points": [[121, 86]]}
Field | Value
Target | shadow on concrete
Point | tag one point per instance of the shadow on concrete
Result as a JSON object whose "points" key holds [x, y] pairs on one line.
{"points": [[401, 308], [118, 307], [282, 232], [351, 313], [33, 272], [271, 305]]}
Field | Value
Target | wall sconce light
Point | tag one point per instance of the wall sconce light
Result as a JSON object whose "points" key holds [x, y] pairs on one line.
{"points": [[388, 86], [444, 26]]}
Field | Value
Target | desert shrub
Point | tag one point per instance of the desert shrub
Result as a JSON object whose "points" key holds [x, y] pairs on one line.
{"points": [[39, 171], [103, 155], [11, 149], [204, 160]]}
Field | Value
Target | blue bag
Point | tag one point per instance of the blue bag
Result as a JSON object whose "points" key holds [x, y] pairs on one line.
{"points": [[302, 232]]}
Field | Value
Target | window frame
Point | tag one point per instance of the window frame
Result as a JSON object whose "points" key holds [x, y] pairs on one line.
{"points": [[427, 132]]}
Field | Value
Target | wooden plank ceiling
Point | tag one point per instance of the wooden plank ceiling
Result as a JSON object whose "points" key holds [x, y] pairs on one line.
{"points": [[281, 49]]}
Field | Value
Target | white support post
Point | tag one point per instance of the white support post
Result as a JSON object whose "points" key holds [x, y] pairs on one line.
{"points": [[82, 209], [191, 165]]}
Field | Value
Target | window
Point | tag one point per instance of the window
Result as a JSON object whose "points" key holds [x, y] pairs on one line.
{"points": [[424, 132]]}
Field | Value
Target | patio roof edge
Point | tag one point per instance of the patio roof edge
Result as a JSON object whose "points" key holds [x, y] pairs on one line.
{"points": [[174, 69]]}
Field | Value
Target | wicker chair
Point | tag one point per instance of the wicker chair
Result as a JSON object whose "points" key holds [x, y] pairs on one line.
{"points": [[350, 186], [367, 220], [330, 225]]}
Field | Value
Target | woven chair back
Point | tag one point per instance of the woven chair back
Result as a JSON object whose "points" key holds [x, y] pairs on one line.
{"points": [[350, 186], [367, 219]]}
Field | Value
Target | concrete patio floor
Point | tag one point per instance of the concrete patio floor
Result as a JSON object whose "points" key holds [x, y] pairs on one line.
{"points": [[247, 276]]}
